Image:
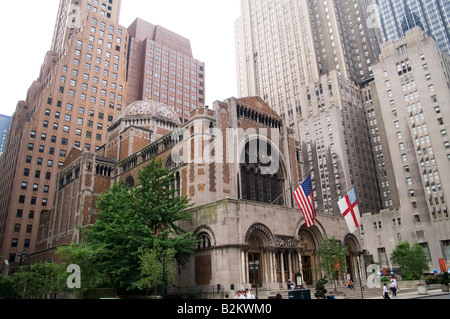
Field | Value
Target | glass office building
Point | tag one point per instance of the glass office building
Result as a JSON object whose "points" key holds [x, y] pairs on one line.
{"points": [[433, 16]]}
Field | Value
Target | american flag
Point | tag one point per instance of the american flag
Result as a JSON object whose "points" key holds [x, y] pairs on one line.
{"points": [[304, 197]]}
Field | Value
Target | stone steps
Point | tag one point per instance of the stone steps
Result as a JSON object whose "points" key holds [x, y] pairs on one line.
{"points": [[367, 293]]}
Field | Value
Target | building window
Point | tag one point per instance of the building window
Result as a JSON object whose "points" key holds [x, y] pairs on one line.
{"points": [[14, 242], [204, 241], [255, 185]]}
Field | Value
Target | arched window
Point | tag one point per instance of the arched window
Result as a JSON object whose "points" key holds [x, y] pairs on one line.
{"points": [[244, 182], [256, 184], [178, 184], [129, 181], [204, 241]]}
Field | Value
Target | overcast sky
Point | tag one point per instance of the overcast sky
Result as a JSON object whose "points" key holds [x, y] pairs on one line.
{"points": [[27, 29]]}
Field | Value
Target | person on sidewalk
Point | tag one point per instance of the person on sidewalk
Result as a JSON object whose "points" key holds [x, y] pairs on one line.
{"points": [[393, 288], [350, 284], [385, 292]]}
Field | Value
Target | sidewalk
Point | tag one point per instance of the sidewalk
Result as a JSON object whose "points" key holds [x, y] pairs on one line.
{"points": [[413, 294]]}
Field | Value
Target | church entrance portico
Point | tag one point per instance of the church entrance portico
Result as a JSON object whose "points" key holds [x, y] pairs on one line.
{"points": [[277, 258]]}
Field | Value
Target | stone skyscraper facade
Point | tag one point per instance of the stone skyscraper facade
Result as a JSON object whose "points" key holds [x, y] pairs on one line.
{"points": [[308, 61], [408, 115]]}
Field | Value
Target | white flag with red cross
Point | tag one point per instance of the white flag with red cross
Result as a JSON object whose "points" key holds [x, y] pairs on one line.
{"points": [[350, 210]]}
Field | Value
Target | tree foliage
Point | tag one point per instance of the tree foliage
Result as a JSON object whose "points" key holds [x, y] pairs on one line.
{"points": [[40, 280], [131, 220], [331, 258], [89, 259], [157, 268], [411, 259], [134, 234]]}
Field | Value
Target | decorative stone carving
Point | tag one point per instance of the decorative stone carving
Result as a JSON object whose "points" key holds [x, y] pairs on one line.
{"points": [[287, 242]]}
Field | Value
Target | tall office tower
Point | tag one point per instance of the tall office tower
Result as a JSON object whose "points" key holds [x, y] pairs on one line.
{"points": [[285, 45], [306, 59], [409, 119], [71, 15], [398, 16], [5, 124], [80, 90], [162, 68]]}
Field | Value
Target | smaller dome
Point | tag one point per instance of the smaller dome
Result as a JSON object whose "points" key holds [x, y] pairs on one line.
{"points": [[148, 109]]}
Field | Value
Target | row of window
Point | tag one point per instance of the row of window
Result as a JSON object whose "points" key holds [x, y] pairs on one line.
{"points": [[24, 186], [33, 200]]}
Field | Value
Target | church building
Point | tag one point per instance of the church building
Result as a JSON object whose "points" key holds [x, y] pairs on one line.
{"points": [[239, 165]]}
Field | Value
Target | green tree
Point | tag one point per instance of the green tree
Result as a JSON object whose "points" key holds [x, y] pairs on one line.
{"points": [[6, 288], [130, 220], [411, 259], [89, 259], [331, 258], [157, 268], [40, 280]]}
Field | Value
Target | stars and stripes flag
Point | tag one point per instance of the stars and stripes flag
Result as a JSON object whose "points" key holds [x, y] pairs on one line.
{"points": [[348, 206], [304, 197]]}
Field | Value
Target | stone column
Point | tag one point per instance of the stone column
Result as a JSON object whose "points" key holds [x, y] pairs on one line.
{"points": [[243, 268], [272, 267], [290, 266]]}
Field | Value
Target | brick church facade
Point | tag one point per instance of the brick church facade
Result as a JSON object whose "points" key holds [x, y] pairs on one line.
{"points": [[237, 162]]}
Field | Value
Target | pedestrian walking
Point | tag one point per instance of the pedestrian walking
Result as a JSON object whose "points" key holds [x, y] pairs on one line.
{"points": [[385, 292], [393, 288]]}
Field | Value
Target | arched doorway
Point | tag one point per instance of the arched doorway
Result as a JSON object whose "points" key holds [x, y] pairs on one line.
{"points": [[257, 256], [254, 261], [353, 251], [309, 243]]}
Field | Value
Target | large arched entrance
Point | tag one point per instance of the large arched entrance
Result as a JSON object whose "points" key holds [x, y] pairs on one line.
{"points": [[353, 253], [268, 260], [256, 255], [309, 243]]}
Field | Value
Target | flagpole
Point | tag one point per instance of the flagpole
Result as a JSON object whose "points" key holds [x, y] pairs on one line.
{"points": [[302, 177]]}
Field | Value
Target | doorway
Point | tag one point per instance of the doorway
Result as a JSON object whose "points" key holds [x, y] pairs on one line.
{"points": [[307, 270]]}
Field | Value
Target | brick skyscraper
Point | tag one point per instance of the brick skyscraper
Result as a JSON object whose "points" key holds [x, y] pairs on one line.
{"points": [[81, 88], [162, 68]]}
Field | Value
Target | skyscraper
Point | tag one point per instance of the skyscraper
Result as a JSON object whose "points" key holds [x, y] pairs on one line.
{"points": [[409, 125], [432, 16], [307, 60], [71, 15], [161, 67], [285, 45], [80, 89]]}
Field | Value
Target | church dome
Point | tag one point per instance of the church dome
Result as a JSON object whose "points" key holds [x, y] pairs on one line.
{"points": [[140, 109]]}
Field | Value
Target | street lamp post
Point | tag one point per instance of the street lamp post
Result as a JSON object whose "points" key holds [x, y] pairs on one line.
{"points": [[22, 255]]}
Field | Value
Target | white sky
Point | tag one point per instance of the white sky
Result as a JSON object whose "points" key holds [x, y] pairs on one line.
{"points": [[208, 24]]}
